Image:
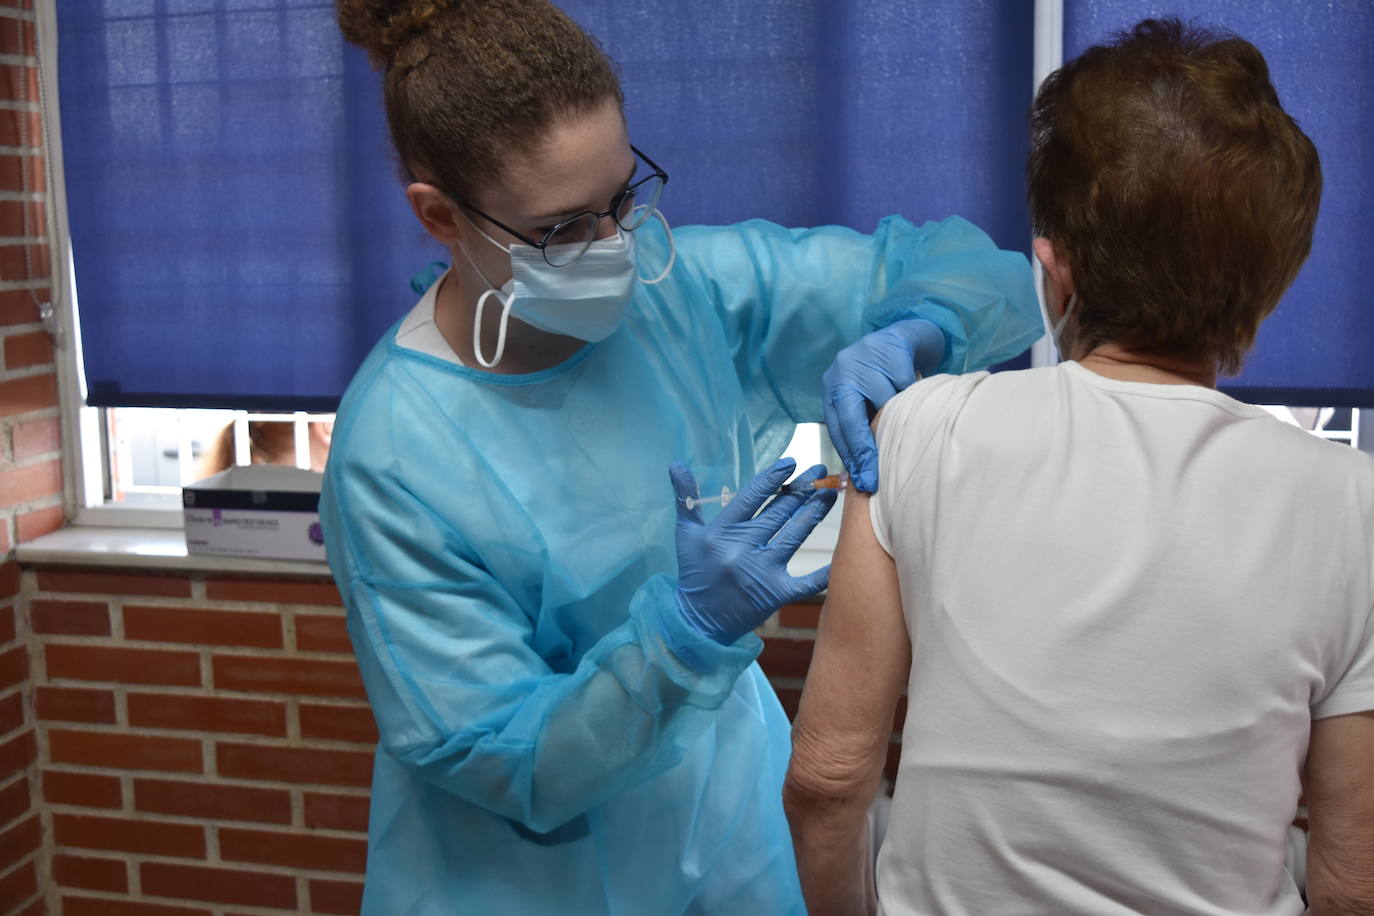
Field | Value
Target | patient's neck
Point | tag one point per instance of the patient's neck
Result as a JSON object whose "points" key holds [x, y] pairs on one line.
{"points": [[1115, 361]]}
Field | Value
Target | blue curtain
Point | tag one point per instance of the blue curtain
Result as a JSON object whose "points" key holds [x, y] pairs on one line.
{"points": [[240, 238], [1317, 349]]}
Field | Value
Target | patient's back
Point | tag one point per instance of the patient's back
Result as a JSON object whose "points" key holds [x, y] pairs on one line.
{"points": [[1126, 601]]}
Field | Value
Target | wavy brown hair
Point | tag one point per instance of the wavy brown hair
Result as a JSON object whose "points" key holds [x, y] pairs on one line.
{"points": [[1183, 197], [466, 81]]}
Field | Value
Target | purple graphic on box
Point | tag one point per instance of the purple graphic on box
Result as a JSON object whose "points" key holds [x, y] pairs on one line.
{"points": [[218, 516], [316, 533]]}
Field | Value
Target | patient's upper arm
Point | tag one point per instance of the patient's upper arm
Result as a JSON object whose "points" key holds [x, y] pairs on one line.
{"points": [[1340, 808], [861, 663]]}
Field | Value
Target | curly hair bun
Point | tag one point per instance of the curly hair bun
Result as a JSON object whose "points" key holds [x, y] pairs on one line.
{"points": [[382, 27]]}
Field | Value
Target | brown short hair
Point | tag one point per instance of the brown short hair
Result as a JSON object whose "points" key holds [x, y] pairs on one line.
{"points": [[468, 80], [1183, 197]]}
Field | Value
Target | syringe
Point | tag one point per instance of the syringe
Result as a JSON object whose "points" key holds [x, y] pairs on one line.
{"points": [[838, 481]]}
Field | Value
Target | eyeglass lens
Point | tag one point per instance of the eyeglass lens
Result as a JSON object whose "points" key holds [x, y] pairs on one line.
{"points": [[569, 240], [639, 202]]}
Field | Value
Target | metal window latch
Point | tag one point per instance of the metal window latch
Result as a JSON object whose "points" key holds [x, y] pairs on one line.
{"points": [[48, 315]]}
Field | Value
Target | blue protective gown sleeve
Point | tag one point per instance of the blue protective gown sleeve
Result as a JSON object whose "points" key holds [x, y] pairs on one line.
{"points": [[462, 698], [790, 299]]}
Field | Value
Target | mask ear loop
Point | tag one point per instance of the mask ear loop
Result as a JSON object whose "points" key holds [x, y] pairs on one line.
{"points": [[672, 251], [481, 304], [500, 334], [1057, 332]]}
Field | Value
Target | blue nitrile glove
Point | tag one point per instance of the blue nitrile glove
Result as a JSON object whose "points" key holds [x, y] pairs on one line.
{"points": [[870, 371], [732, 573]]}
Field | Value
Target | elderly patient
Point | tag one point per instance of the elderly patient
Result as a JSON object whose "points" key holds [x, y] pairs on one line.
{"points": [[1131, 614]]}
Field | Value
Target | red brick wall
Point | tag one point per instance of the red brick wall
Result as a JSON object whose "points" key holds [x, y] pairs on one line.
{"points": [[30, 458], [204, 743], [30, 461], [21, 860]]}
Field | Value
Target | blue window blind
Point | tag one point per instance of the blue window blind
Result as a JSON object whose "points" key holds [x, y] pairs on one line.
{"points": [[238, 234], [1318, 347], [240, 238]]}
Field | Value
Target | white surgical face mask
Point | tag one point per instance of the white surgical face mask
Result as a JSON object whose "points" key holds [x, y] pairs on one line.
{"points": [[586, 299]]}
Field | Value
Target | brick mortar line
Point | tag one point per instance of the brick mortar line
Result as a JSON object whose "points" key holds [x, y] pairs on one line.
{"points": [[288, 631], [14, 688], [138, 858], [22, 774], [174, 690], [204, 662], [116, 600], [115, 642], [21, 104], [86, 769], [22, 197], [35, 505], [298, 809], [33, 151], [85, 642], [38, 413], [28, 371], [116, 608], [213, 853], [27, 327], [14, 12], [227, 782], [174, 644], [186, 820], [223, 604], [126, 795], [165, 690], [209, 760], [148, 731], [294, 607], [32, 461], [48, 881]]}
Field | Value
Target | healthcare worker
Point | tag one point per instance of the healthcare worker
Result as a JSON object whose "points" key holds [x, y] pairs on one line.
{"points": [[556, 640]]}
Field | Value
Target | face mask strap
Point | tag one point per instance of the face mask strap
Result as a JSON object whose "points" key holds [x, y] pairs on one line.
{"points": [[478, 230], [500, 333], [672, 251], [1057, 331], [481, 304]]}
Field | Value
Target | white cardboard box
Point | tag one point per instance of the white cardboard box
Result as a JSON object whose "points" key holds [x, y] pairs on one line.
{"points": [[259, 510]]}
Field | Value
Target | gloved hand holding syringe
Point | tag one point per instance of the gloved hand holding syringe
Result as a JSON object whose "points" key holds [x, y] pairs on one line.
{"points": [[732, 571]]}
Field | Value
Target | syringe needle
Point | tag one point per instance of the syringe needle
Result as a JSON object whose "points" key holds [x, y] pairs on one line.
{"points": [[838, 481]]}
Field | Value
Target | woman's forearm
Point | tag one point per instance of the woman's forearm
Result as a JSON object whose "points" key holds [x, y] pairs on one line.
{"points": [[830, 836]]}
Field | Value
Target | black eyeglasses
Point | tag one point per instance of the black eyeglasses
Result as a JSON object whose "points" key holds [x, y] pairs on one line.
{"points": [[570, 238]]}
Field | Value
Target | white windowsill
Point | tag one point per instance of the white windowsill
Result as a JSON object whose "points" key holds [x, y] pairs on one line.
{"points": [[165, 548], [146, 548]]}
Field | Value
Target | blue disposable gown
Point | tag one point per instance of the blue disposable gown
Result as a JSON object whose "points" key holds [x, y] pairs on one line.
{"points": [[554, 739]]}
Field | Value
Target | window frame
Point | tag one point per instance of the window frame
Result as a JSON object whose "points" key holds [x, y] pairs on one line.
{"points": [[83, 463]]}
